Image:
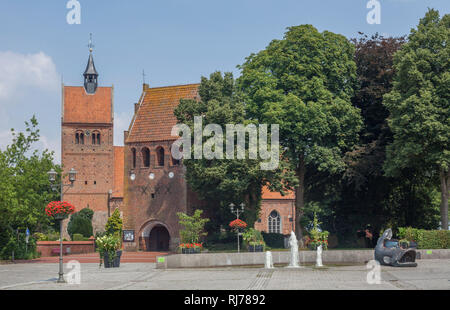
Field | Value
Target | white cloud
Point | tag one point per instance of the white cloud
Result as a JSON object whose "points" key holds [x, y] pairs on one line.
{"points": [[24, 70], [121, 123]]}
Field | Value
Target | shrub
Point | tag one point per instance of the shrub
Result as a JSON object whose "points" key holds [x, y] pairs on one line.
{"points": [[114, 224], [87, 213], [79, 224], [273, 240], [78, 237], [426, 239], [193, 226], [16, 243]]}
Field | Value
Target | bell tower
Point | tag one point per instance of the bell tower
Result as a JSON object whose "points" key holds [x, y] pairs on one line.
{"points": [[90, 74], [87, 143]]}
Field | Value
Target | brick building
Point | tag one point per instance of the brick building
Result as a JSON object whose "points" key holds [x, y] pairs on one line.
{"points": [[87, 125], [141, 178]]}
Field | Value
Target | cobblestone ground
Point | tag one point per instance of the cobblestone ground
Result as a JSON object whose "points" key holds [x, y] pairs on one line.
{"points": [[430, 274]]}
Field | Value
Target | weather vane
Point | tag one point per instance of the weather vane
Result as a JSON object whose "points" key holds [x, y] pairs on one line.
{"points": [[90, 45], [143, 76]]}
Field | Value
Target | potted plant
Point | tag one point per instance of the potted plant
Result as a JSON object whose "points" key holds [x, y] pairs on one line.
{"points": [[108, 247], [317, 236], [190, 248], [59, 210], [254, 240], [193, 230]]}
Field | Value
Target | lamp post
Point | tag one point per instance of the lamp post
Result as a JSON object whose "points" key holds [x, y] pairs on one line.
{"points": [[52, 178], [237, 211]]}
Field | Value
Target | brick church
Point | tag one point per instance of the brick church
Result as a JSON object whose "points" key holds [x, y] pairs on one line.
{"points": [[140, 178]]}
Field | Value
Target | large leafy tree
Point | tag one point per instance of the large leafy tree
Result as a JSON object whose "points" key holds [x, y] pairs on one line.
{"points": [[304, 83], [24, 186], [419, 105], [219, 182]]}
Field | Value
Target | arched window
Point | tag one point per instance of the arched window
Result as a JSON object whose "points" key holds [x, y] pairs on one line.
{"points": [[96, 138], [133, 155], [146, 157], [160, 155], [274, 222], [77, 138], [81, 138]]}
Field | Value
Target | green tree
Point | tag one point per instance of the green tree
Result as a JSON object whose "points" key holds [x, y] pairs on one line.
{"points": [[114, 224], [419, 105], [193, 226], [304, 83], [219, 182], [24, 185], [81, 223]]}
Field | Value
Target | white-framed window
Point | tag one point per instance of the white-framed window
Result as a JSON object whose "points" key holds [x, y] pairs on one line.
{"points": [[274, 222]]}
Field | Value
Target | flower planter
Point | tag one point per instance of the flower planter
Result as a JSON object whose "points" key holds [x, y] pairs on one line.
{"points": [[256, 248], [60, 216], [112, 264], [190, 250]]}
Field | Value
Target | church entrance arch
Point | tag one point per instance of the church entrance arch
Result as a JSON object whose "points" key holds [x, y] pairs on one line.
{"points": [[155, 236]]}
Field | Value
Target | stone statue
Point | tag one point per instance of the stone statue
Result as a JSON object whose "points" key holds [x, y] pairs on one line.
{"points": [[269, 260], [293, 244], [319, 256]]}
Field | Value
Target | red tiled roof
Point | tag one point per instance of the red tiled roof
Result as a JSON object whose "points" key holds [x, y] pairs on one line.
{"points": [[155, 118], [267, 194], [80, 107], [118, 171]]}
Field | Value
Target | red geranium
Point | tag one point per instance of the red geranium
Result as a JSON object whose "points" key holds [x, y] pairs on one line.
{"points": [[59, 207], [237, 223]]}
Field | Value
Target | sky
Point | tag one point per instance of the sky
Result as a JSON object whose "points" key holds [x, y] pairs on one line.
{"points": [[174, 41]]}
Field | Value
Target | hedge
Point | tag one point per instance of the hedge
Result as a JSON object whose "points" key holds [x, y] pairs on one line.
{"points": [[273, 240], [426, 239]]}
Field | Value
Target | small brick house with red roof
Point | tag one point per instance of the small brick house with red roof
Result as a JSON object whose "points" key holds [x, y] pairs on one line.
{"points": [[141, 178]]}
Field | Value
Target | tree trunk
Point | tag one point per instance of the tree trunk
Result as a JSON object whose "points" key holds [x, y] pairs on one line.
{"points": [[299, 198], [445, 187]]}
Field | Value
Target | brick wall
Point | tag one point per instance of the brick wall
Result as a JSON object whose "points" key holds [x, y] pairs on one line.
{"points": [[285, 207]]}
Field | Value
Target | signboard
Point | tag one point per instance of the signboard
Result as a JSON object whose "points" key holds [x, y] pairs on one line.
{"points": [[128, 235], [161, 259]]}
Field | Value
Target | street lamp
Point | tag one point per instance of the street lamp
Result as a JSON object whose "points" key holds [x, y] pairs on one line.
{"points": [[237, 211], [52, 178]]}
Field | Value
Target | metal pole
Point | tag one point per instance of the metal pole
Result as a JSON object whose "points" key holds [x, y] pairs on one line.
{"points": [[61, 271]]}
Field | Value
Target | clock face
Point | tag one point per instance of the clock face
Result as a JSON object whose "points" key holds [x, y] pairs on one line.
{"points": [[132, 177], [87, 133]]}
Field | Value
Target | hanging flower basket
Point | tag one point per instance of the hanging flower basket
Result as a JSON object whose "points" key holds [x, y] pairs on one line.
{"points": [[59, 210], [237, 224]]}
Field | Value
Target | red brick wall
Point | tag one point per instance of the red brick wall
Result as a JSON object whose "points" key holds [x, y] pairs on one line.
{"points": [[285, 207], [94, 163], [170, 195], [76, 247]]}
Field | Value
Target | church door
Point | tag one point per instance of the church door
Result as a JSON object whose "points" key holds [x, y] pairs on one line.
{"points": [[159, 239]]}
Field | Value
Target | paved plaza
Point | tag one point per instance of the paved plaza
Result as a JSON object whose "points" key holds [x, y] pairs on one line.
{"points": [[430, 274]]}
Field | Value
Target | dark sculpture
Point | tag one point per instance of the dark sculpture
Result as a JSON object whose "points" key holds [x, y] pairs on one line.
{"points": [[394, 253]]}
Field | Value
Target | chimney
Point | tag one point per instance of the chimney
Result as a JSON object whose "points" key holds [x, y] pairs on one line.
{"points": [[145, 86]]}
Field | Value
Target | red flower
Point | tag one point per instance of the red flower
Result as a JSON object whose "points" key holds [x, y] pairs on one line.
{"points": [[59, 207], [237, 223]]}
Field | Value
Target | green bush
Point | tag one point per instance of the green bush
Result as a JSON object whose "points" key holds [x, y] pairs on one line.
{"points": [[114, 224], [17, 244], [79, 224], [87, 213], [78, 237], [273, 240], [426, 239]]}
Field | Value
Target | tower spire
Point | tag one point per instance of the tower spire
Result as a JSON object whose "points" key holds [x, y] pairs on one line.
{"points": [[90, 74]]}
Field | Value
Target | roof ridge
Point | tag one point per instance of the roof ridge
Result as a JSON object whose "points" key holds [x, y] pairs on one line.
{"points": [[168, 86]]}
